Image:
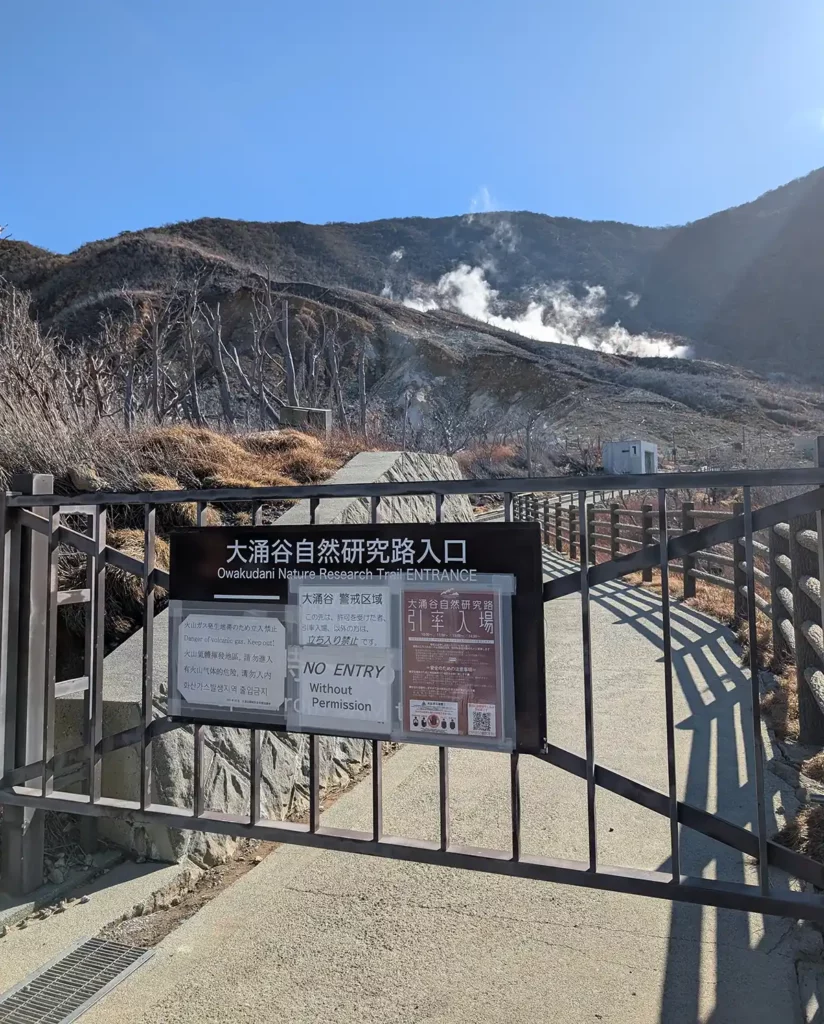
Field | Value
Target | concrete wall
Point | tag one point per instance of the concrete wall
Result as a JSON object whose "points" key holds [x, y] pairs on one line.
{"points": [[284, 774]]}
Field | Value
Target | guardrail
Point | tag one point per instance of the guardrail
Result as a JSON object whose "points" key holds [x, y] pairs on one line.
{"points": [[788, 564]]}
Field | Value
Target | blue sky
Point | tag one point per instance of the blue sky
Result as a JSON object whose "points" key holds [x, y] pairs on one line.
{"points": [[120, 114]]}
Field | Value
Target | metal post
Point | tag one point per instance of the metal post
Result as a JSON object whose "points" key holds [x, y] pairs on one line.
{"points": [[593, 554], [739, 575], [646, 539], [688, 561], [614, 547], [760, 814], [93, 667], [573, 533], [22, 828], [589, 715], [558, 515], [545, 515]]}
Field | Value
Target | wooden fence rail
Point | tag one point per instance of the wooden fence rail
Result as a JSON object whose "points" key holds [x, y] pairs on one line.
{"points": [[788, 569]]}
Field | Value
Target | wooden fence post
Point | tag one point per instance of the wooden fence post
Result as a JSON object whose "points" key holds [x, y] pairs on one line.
{"points": [[739, 575], [613, 530], [646, 539], [780, 588], [22, 830], [546, 520], [688, 561], [558, 517], [809, 644]]}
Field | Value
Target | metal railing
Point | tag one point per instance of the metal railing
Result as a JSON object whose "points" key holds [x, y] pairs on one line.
{"points": [[787, 563], [34, 528]]}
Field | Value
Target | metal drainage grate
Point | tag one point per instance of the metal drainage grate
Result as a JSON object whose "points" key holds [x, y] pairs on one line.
{"points": [[64, 989]]}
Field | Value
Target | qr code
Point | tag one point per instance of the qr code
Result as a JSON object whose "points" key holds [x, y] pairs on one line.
{"points": [[481, 719]]}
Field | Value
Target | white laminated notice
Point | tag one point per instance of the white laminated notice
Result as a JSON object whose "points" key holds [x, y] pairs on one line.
{"points": [[343, 616], [232, 661], [345, 689]]}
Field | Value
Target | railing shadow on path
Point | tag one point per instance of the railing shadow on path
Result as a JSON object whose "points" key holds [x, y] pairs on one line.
{"points": [[703, 658]]}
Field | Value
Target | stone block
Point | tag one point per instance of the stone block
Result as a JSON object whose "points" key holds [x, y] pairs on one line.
{"points": [[300, 418]]}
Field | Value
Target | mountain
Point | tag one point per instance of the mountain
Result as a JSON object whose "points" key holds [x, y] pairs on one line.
{"points": [[520, 251], [742, 285], [746, 283]]}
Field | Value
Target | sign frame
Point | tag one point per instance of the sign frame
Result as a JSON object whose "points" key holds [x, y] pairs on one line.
{"points": [[459, 551]]}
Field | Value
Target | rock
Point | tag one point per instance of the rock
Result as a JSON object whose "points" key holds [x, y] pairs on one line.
{"points": [[175, 901], [141, 860], [85, 899], [257, 860], [809, 942], [57, 876], [86, 479], [4, 931]]}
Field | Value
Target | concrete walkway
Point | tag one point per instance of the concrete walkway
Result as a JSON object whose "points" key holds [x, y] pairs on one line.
{"points": [[312, 936]]}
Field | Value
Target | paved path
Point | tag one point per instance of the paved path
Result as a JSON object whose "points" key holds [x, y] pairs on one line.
{"points": [[312, 936]]}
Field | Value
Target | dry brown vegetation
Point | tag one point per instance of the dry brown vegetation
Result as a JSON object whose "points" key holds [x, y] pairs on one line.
{"points": [[805, 833], [814, 767], [172, 459], [124, 597], [780, 705], [198, 457]]}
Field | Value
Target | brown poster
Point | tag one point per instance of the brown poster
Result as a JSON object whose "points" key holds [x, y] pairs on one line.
{"points": [[451, 663]]}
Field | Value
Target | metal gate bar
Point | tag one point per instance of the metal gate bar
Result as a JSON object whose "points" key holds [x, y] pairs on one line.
{"points": [[666, 626], [589, 716], [734, 896], [755, 700], [14, 792]]}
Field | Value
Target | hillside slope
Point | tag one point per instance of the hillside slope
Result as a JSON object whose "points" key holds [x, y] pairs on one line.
{"points": [[743, 285], [746, 282], [520, 251]]}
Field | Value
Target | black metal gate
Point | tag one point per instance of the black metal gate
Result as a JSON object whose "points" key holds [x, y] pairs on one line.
{"points": [[36, 526]]}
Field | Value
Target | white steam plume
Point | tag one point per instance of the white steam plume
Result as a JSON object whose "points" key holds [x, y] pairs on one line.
{"points": [[553, 315]]}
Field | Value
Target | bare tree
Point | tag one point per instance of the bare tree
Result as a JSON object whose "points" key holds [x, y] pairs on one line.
{"points": [[455, 423], [214, 342], [362, 386]]}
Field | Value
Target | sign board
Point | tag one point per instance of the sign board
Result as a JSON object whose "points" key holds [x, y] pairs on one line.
{"points": [[452, 663], [412, 632]]}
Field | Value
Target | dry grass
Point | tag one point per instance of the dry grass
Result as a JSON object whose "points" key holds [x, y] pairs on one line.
{"points": [[491, 460], [198, 457], [814, 767], [124, 592], [805, 833], [167, 516], [780, 706]]}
